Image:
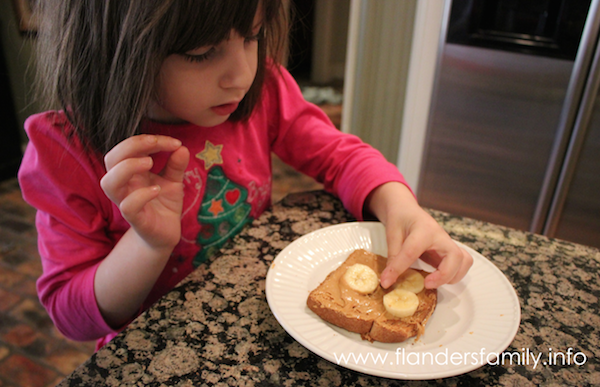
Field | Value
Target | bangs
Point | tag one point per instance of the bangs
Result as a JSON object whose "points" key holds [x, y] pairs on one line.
{"points": [[199, 23]]}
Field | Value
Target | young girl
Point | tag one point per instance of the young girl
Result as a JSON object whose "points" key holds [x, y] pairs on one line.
{"points": [[161, 153]]}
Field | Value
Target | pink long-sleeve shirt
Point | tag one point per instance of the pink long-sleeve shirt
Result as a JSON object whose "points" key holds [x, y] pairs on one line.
{"points": [[227, 184]]}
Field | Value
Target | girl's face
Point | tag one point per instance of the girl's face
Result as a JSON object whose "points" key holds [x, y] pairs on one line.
{"points": [[205, 85]]}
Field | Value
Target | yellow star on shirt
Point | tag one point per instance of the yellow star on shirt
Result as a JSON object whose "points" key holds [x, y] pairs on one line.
{"points": [[211, 154]]}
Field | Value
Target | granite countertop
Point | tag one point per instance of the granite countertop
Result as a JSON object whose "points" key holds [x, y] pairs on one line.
{"points": [[216, 328]]}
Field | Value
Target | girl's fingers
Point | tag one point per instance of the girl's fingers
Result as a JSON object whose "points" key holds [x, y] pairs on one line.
{"points": [[176, 165], [134, 203], [140, 146], [451, 261], [467, 262], [452, 265], [410, 250], [117, 181]]}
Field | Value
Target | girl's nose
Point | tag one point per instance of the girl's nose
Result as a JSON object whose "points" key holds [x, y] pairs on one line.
{"points": [[240, 67]]}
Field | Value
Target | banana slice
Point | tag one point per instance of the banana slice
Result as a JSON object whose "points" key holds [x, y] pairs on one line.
{"points": [[411, 280], [361, 278], [401, 302]]}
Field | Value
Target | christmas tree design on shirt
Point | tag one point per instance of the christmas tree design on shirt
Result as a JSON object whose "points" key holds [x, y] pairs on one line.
{"points": [[223, 212]]}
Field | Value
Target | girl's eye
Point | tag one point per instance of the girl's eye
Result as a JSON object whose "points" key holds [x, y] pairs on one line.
{"points": [[201, 57], [254, 38]]}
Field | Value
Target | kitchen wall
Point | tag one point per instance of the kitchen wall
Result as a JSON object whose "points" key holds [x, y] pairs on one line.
{"points": [[380, 44], [390, 70]]}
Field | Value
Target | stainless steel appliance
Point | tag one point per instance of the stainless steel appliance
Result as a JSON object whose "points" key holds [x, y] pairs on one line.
{"points": [[514, 131]]}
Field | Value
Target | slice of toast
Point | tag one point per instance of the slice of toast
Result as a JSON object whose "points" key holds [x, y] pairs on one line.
{"points": [[340, 305]]}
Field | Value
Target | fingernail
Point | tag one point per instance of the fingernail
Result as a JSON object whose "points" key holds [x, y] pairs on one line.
{"points": [[384, 282], [429, 284], [176, 142], [147, 161], [152, 139]]}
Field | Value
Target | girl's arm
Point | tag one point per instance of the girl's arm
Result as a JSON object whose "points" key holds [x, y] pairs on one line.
{"points": [[359, 175], [152, 205], [411, 234], [88, 277]]}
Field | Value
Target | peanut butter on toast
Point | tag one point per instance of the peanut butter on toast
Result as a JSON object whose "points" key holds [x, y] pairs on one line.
{"points": [[337, 303]]}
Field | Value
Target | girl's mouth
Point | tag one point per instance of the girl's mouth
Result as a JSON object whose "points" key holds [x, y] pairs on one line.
{"points": [[225, 109]]}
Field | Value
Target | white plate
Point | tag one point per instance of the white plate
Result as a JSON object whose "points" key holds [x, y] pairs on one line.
{"points": [[474, 321]]}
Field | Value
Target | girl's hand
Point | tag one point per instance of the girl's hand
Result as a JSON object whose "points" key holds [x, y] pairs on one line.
{"points": [[151, 203], [411, 234]]}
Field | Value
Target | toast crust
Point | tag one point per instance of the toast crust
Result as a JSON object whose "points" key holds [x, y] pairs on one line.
{"points": [[337, 304]]}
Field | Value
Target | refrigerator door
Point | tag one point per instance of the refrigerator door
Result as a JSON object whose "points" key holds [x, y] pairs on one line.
{"points": [[580, 218], [510, 79], [491, 131], [575, 211]]}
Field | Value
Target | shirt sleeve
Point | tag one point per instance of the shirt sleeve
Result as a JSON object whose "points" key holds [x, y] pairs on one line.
{"points": [[303, 136], [60, 179]]}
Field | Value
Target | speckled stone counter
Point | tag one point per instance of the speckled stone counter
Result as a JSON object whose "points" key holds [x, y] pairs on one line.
{"points": [[216, 327]]}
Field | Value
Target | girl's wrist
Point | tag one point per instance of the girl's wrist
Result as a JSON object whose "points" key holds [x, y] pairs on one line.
{"points": [[126, 276], [388, 196], [153, 249]]}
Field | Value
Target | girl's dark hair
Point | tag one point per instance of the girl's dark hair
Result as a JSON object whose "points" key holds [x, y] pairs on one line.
{"points": [[98, 59]]}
